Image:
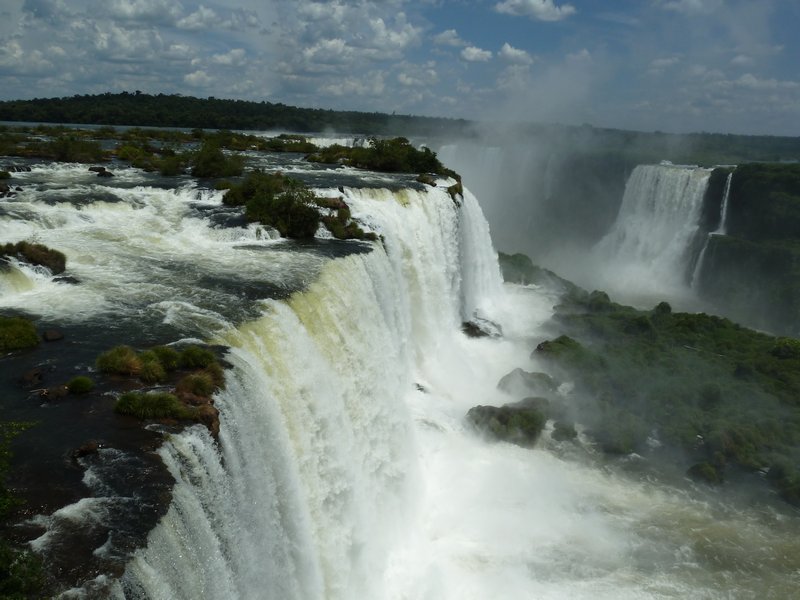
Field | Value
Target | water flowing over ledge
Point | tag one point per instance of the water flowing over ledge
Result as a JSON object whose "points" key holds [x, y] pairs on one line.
{"points": [[313, 478]]}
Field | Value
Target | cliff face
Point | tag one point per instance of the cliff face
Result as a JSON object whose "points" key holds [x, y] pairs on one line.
{"points": [[752, 270]]}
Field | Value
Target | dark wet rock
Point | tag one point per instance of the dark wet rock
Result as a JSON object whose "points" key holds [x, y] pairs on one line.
{"points": [[421, 388], [32, 377], [105, 174], [18, 188], [92, 447], [56, 392], [18, 169], [97, 169], [479, 327], [519, 382], [52, 335], [67, 279], [514, 423]]}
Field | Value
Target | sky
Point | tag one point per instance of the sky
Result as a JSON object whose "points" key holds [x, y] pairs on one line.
{"points": [[728, 66]]}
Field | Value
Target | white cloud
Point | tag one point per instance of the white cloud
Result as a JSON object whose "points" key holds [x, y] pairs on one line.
{"points": [[202, 18], [544, 10], [418, 75], [234, 58], [742, 60], [750, 81], [663, 63], [515, 55], [372, 84], [198, 78], [403, 35], [692, 7], [449, 37], [145, 10], [474, 54]]}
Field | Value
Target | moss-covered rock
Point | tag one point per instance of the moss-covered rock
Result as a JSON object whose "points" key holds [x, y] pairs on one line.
{"points": [[17, 333], [520, 383], [517, 424]]}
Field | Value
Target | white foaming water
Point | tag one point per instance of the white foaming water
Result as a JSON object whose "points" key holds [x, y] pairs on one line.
{"points": [[137, 247], [648, 251], [335, 476]]}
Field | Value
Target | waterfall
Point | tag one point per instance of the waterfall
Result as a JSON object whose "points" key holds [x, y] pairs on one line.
{"points": [[723, 211], [650, 246], [720, 230], [310, 484]]}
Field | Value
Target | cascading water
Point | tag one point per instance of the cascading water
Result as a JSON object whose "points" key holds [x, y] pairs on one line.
{"points": [[344, 468], [720, 230], [649, 249]]}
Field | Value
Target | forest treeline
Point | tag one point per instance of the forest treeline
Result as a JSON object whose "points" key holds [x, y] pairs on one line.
{"points": [[175, 110], [162, 110]]}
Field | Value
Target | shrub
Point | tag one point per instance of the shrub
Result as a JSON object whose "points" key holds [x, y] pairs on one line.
{"points": [[291, 211], [80, 385], [211, 161], [17, 333], [121, 360], [168, 357], [5, 175], [151, 370], [154, 405], [199, 384], [195, 357]]}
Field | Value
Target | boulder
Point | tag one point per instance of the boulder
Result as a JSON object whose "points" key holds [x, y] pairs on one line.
{"points": [[97, 169], [479, 327], [86, 449], [52, 335], [524, 383], [105, 173], [512, 423], [32, 377]]}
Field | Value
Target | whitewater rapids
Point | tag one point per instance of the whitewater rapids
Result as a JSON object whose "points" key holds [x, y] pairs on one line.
{"points": [[344, 468]]}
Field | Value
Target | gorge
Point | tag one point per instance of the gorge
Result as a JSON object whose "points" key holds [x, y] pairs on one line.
{"points": [[344, 466]]}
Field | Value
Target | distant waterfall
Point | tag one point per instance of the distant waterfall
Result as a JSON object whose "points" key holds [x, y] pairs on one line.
{"points": [[308, 488], [723, 211], [720, 230], [651, 245]]}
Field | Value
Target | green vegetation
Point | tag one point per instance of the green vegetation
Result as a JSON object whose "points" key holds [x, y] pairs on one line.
{"points": [[395, 155], [211, 161], [17, 333], [35, 254], [5, 175], [195, 357], [121, 360], [278, 201], [154, 405], [290, 207], [726, 396], [168, 357], [80, 385], [200, 384], [175, 110], [519, 423]]}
